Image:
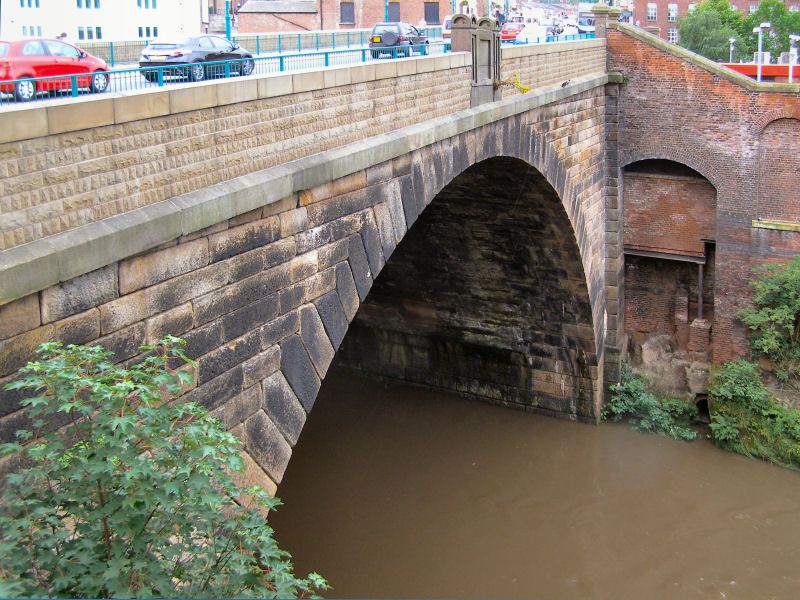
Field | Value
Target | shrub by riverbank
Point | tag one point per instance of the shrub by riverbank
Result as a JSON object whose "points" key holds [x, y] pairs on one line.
{"points": [[746, 418], [646, 412]]}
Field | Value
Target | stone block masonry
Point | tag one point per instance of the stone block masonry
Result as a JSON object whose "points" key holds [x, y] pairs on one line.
{"points": [[104, 165], [265, 296]]}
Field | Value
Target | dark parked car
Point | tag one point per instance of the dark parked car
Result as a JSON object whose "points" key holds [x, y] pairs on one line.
{"points": [[23, 60], [397, 39], [186, 58]]}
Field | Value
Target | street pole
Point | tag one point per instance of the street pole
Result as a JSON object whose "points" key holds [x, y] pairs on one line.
{"points": [[385, 11], [731, 41], [760, 30], [228, 19]]}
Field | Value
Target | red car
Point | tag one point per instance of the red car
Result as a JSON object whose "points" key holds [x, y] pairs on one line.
{"points": [[25, 59], [510, 31]]}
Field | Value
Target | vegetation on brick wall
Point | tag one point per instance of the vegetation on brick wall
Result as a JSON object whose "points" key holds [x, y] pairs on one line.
{"points": [[135, 497], [646, 412], [774, 322], [707, 28], [745, 418]]}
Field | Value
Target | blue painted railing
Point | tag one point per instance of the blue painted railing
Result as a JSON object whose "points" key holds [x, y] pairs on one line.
{"points": [[123, 80]]}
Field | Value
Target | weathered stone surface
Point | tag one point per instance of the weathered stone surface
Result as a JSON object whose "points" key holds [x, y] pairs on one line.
{"points": [[245, 237], [283, 407], [124, 343], [360, 267], [240, 407], [249, 318], [264, 442], [175, 322], [333, 317], [279, 329], [333, 253], [346, 288], [315, 339], [19, 316], [160, 297], [228, 356], [299, 371], [261, 366], [219, 390], [246, 291], [372, 245], [253, 475], [79, 294], [293, 221], [155, 267]]}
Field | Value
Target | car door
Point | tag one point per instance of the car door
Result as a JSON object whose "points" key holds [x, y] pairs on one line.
{"points": [[66, 60], [34, 61], [224, 49]]}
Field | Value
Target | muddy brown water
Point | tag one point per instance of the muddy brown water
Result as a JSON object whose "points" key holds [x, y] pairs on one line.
{"points": [[394, 491]]}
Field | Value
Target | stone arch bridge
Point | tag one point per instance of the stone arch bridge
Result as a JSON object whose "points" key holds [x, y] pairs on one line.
{"points": [[373, 214]]}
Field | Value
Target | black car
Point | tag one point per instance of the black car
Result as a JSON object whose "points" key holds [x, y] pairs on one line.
{"points": [[186, 58], [397, 39]]}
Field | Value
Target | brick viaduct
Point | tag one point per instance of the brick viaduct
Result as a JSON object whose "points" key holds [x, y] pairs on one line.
{"points": [[253, 218]]}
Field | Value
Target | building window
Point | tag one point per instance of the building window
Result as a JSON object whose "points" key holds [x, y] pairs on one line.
{"points": [[89, 33], [793, 9], [81, 33], [347, 12], [139, 3], [652, 11], [734, 8], [97, 3], [432, 13], [691, 7], [672, 12], [98, 33], [141, 32], [394, 11], [155, 31], [672, 35], [24, 30], [80, 3], [753, 8]]}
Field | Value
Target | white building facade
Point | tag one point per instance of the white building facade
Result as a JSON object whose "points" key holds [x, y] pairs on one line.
{"points": [[102, 20]]}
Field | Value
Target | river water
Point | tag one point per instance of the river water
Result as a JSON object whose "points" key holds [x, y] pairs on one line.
{"points": [[394, 491]]}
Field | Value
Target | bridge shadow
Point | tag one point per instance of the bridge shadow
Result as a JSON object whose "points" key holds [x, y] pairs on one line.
{"points": [[485, 296]]}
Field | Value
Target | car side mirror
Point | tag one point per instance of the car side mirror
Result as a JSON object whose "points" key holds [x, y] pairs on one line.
{"points": [[83, 54], [236, 46]]}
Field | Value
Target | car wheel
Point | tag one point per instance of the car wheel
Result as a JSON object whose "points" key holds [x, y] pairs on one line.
{"points": [[100, 81], [25, 90], [150, 76], [197, 72], [247, 68]]}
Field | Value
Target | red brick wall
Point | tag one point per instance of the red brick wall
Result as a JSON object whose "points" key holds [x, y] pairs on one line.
{"points": [[778, 165], [668, 214], [674, 110], [367, 13]]}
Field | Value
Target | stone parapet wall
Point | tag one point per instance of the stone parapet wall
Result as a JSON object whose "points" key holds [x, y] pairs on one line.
{"points": [[69, 163], [542, 65]]}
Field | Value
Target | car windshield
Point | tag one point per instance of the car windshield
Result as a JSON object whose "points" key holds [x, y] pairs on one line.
{"points": [[385, 28], [4, 48]]}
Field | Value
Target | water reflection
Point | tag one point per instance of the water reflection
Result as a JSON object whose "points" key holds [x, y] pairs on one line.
{"points": [[395, 491]]}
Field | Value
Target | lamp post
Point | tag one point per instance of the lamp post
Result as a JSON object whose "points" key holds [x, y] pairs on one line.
{"points": [[228, 19], [760, 31], [732, 42], [385, 11], [793, 39]]}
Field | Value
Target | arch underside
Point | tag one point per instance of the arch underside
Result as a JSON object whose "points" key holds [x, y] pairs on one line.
{"points": [[485, 296]]}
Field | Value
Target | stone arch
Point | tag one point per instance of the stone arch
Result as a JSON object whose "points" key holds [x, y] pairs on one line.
{"points": [[778, 175], [695, 159], [783, 112], [486, 296], [669, 234]]}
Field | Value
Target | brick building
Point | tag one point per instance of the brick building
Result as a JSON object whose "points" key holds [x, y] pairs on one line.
{"points": [[303, 15], [664, 14]]}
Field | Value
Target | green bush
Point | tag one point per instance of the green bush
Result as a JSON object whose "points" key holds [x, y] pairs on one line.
{"points": [[645, 412], [135, 498], [746, 419], [775, 320]]}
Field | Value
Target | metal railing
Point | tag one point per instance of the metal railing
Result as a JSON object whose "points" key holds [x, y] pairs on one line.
{"points": [[553, 38], [119, 53], [124, 80]]}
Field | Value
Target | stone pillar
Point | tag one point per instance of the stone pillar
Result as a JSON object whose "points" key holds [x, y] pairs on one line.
{"points": [[699, 335], [602, 15], [480, 37]]}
